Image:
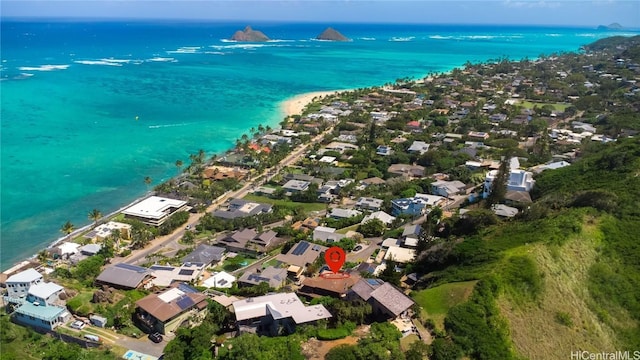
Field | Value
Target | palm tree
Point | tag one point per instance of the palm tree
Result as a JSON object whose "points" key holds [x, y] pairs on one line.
{"points": [[201, 156], [179, 164], [95, 215], [67, 228], [260, 128]]}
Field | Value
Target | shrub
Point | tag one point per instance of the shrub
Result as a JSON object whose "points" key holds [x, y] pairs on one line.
{"points": [[333, 334], [564, 318]]}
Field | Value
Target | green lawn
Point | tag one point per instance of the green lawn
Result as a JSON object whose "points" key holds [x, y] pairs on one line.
{"points": [[234, 263], [347, 229], [557, 106], [406, 341], [437, 301], [286, 203]]}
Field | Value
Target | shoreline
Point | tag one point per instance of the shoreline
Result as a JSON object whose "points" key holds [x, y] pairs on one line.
{"points": [[296, 104], [289, 107]]}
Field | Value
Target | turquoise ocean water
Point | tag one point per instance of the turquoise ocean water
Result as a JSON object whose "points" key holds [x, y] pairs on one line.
{"points": [[71, 93]]}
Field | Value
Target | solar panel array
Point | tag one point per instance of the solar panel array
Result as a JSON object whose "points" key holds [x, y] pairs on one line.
{"points": [[160, 267], [316, 248], [185, 302], [257, 278], [300, 248], [186, 272], [132, 267], [187, 289]]}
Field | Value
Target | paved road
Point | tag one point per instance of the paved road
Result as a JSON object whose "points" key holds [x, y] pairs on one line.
{"points": [[364, 254]]}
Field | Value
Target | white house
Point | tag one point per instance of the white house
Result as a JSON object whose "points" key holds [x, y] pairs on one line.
{"points": [[18, 285], [154, 210]]}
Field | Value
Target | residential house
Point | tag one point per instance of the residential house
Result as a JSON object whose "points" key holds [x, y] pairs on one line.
{"points": [[369, 203], [34, 301], [18, 284], [414, 126], [124, 276], [165, 275], [384, 150], [222, 172], [302, 254], [305, 225], [318, 286], [165, 311], [408, 206], [432, 200], [90, 249], [154, 210], [478, 135], [385, 299], [103, 231], [239, 208], [294, 186], [338, 214], [406, 170], [447, 188], [275, 313], [326, 234], [504, 210], [221, 280], [418, 147], [519, 180], [411, 235], [206, 255], [249, 241], [400, 254], [379, 215], [373, 181], [275, 277]]}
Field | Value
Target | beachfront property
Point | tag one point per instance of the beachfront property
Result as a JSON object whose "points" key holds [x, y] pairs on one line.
{"points": [[269, 314], [35, 302], [165, 311], [239, 208], [154, 210], [103, 231]]}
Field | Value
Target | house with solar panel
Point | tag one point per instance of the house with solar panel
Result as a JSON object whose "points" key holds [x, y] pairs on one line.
{"points": [[275, 277], [206, 255], [275, 314], [165, 275], [169, 309], [300, 256], [125, 276], [249, 241]]}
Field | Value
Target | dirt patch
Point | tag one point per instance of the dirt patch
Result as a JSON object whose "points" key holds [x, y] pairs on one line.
{"points": [[315, 349]]}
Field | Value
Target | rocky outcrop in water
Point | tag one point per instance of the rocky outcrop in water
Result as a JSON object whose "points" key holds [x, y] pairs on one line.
{"points": [[248, 34]]}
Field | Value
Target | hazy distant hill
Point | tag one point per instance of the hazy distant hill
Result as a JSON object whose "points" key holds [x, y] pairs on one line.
{"points": [[613, 26]]}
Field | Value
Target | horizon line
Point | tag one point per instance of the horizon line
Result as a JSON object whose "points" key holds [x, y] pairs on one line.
{"points": [[263, 21]]}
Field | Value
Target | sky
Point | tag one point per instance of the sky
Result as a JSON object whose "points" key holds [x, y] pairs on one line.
{"points": [[518, 12]]}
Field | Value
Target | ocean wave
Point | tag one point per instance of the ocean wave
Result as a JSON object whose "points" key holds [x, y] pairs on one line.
{"points": [[440, 37], [586, 35], [402, 39], [214, 52], [185, 50], [167, 125], [227, 40], [43, 68], [244, 46], [280, 41], [367, 38], [475, 37], [97, 62], [162, 59], [553, 35]]}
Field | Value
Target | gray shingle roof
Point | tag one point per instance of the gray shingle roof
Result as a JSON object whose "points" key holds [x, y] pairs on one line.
{"points": [[123, 275], [204, 254], [392, 299]]}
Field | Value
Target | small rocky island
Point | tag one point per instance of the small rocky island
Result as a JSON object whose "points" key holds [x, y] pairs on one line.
{"points": [[613, 26], [331, 35], [248, 34]]}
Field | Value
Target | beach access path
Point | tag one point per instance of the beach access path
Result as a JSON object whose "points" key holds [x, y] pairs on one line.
{"points": [[291, 107]]}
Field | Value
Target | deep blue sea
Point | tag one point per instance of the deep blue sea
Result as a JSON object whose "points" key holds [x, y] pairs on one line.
{"points": [[89, 109]]}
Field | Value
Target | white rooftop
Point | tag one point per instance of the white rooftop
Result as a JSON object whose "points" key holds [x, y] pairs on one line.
{"points": [[153, 207], [221, 279], [280, 306], [68, 248], [170, 295], [401, 255], [44, 290], [28, 275]]}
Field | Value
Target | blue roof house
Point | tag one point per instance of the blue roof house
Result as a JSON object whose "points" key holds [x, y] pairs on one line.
{"points": [[408, 206]]}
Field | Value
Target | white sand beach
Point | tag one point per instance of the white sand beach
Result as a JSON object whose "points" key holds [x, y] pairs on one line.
{"points": [[295, 105]]}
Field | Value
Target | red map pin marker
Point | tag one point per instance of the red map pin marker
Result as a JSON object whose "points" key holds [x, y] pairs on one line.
{"points": [[335, 257]]}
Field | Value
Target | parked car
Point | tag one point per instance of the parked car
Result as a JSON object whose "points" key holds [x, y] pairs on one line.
{"points": [[155, 337], [92, 337], [357, 248], [78, 324]]}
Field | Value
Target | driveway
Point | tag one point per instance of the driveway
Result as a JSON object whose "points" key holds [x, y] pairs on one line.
{"points": [[366, 252]]}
